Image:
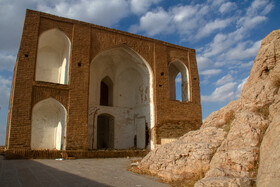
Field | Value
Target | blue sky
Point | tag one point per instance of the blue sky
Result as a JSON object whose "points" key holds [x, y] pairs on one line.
{"points": [[226, 35]]}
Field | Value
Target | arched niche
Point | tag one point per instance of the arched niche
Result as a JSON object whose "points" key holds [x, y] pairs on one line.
{"points": [[178, 68], [48, 125], [106, 92], [53, 57], [132, 96]]}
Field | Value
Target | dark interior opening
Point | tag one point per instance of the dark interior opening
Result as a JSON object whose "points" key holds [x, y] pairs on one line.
{"points": [[104, 94], [105, 132]]}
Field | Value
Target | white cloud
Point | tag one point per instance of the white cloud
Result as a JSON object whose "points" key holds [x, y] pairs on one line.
{"points": [[240, 87], [209, 28], [188, 19], [203, 62], [178, 78], [251, 22], [258, 6], [211, 72], [141, 6], [225, 79], [241, 51], [227, 7], [221, 94], [248, 64], [5, 85], [100, 12], [7, 62], [156, 22]]}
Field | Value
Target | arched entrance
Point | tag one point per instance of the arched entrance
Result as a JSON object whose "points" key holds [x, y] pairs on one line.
{"points": [[105, 131], [121, 85]]}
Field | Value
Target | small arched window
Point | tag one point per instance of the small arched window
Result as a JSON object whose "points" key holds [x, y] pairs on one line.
{"points": [[178, 81], [106, 92], [53, 57]]}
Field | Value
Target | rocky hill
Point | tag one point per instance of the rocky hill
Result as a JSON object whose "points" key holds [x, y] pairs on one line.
{"points": [[237, 145]]}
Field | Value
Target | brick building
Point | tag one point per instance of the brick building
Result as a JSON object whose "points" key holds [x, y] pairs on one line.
{"points": [[79, 86]]}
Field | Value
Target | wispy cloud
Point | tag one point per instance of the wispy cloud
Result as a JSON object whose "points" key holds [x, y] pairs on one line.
{"points": [[155, 22], [4, 91], [100, 12], [243, 50], [178, 78], [211, 72], [140, 7], [240, 87], [7, 61], [221, 94], [225, 79], [227, 7], [212, 26]]}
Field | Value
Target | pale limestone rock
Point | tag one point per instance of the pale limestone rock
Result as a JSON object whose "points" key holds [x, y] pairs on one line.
{"points": [[269, 168], [186, 158], [230, 157], [224, 182]]}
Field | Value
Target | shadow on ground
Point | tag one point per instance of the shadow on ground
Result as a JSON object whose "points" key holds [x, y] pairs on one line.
{"points": [[80, 172], [32, 173]]}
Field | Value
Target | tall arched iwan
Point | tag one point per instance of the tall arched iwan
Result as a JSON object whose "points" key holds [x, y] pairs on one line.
{"points": [[132, 97]]}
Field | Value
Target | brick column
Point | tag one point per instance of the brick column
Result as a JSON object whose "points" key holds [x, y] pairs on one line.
{"points": [[77, 127]]}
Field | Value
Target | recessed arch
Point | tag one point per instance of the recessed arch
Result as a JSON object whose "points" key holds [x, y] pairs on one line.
{"points": [[106, 91], [53, 57], [178, 68], [48, 125], [132, 99]]}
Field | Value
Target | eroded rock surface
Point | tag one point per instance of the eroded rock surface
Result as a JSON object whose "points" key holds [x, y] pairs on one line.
{"points": [[236, 144]]}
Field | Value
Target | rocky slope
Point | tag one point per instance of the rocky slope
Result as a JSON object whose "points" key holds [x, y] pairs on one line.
{"points": [[237, 145]]}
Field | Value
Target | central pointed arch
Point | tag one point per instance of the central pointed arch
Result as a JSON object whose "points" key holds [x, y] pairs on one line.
{"points": [[132, 95]]}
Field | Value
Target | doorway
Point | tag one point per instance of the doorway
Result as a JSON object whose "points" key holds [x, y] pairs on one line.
{"points": [[105, 131]]}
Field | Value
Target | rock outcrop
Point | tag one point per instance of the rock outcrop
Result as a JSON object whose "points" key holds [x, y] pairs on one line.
{"points": [[237, 145]]}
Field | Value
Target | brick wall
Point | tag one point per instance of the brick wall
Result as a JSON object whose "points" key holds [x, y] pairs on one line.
{"points": [[172, 118]]}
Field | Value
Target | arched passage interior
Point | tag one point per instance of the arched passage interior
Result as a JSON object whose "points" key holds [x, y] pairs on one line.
{"points": [[129, 78], [180, 71], [48, 125], [53, 57]]}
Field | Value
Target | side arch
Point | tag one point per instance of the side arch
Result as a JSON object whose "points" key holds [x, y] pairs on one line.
{"points": [[53, 57], [48, 125], [175, 68]]}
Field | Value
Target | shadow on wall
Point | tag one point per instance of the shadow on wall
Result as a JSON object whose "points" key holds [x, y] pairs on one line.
{"points": [[32, 173]]}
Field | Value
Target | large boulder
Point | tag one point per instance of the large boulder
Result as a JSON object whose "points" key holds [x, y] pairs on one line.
{"points": [[238, 144]]}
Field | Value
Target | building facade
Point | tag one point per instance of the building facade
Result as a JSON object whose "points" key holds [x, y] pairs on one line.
{"points": [[79, 86]]}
